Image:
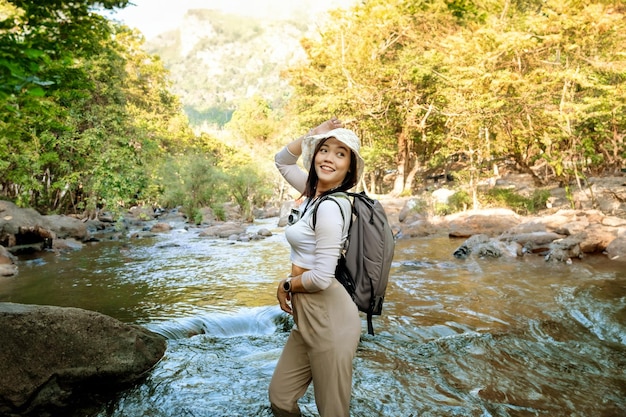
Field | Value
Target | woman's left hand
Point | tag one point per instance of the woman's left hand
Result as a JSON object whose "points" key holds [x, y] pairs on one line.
{"points": [[284, 298], [327, 126]]}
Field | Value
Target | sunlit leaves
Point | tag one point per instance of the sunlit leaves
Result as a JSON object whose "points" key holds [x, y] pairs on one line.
{"points": [[253, 120], [71, 142], [486, 79]]}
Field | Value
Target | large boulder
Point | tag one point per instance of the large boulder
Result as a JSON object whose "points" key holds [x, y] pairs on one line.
{"points": [[597, 237], [23, 229], [67, 227], [418, 228], [223, 230], [533, 242], [482, 246], [59, 358], [566, 249], [491, 222]]}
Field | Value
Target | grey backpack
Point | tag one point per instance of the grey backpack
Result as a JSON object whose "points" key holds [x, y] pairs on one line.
{"points": [[364, 265]]}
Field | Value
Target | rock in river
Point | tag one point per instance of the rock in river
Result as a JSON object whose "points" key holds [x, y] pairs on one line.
{"points": [[56, 358]]}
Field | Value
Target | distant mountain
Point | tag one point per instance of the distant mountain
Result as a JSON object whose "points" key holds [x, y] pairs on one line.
{"points": [[217, 58]]}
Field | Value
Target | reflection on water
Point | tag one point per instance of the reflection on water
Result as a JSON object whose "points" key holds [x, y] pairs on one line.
{"points": [[491, 337]]}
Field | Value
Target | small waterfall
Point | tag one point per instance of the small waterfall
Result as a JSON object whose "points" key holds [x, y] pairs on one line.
{"points": [[260, 321]]}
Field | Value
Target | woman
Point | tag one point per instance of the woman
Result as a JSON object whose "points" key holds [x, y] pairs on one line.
{"points": [[323, 342]]}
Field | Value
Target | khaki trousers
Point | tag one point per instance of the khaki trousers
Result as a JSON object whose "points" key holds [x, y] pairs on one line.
{"points": [[320, 349]]}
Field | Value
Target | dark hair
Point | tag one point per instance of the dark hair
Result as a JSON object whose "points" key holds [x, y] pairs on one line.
{"points": [[348, 182]]}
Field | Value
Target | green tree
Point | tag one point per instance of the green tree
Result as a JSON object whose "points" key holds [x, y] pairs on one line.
{"points": [[93, 132], [478, 82], [253, 120], [546, 85], [371, 67], [247, 186], [42, 45], [193, 181]]}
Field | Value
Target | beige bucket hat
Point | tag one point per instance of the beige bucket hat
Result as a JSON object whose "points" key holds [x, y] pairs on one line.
{"points": [[346, 136]]}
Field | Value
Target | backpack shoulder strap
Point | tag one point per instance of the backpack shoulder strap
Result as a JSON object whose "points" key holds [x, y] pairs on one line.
{"points": [[334, 197]]}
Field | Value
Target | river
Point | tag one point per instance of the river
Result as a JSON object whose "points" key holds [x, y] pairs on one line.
{"points": [[474, 337]]}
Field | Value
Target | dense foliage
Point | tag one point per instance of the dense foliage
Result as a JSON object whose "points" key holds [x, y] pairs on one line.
{"points": [[74, 137], [87, 119], [471, 85]]}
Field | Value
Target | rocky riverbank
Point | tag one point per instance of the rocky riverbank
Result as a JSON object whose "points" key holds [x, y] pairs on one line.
{"points": [[591, 221], [596, 225]]}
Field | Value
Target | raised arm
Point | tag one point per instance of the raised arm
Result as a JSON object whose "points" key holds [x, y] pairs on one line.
{"points": [[286, 159]]}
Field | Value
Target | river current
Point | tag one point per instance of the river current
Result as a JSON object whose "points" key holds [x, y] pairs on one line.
{"points": [[474, 337]]}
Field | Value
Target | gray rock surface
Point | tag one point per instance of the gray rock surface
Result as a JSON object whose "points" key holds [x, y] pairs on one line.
{"points": [[56, 358]]}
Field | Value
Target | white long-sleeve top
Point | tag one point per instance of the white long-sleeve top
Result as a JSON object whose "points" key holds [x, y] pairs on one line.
{"points": [[314, 249]]}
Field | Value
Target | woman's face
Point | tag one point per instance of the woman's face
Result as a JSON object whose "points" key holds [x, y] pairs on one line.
{"points": [[332, 162]]}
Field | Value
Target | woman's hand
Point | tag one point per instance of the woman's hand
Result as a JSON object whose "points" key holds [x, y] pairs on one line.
{"points": [[295, 147], [327, 126], [284, 298]]}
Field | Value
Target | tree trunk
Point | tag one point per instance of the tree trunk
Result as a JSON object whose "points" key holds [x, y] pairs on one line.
{"points": [[401, 162], [408, 184], [413, 160]]}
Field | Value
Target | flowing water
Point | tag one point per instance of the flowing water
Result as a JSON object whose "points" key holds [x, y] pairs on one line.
{"points": [[475, 337]]}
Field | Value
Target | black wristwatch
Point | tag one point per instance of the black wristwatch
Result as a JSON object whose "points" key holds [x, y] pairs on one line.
{"points": [[287, 285]]}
